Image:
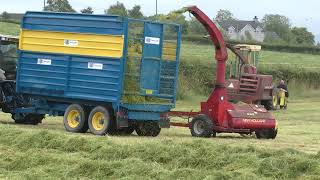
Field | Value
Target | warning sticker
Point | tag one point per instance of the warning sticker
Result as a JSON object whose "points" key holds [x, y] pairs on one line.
{"points": [[231, 85], [152, 40], [92, 65], [44, 61], [71, 43]]}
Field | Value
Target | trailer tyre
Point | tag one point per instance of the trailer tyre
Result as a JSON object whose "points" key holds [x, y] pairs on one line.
{"points": [[99, 121], [75, 119], [202, 126], [148, 128], [122, 132], [32, 119]]}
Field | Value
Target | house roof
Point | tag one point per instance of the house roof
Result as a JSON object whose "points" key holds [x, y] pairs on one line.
{"points": [[238, 24]]}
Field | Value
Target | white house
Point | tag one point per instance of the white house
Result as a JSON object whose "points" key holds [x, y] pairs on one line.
{"points": [[242, 30]]}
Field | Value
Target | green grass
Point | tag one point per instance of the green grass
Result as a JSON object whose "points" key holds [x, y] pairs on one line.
{"points": [[9, 28], [47, 151], [205, 54]]}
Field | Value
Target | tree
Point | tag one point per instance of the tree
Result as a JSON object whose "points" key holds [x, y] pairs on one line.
{"points": [[117, 9], [300, 35], [58, 6], [135, 12], [173, 18], [87, 10], [224, 15], [181, 19], [272, 37], [5, 15], [278, 24], [195, 27], [248, 36]]}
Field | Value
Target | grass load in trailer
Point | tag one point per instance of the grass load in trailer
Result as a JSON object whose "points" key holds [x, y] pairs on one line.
{"points": [[104, 73]]}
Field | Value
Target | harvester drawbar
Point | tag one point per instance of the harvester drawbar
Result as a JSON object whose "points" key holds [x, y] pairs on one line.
{"points": [[217, 114]]}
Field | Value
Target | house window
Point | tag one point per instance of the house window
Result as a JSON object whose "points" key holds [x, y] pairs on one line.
{"points": [[230, 30]]}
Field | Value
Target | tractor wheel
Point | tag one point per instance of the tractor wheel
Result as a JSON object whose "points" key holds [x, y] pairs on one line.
{"points": [[202, 126], [266, 133], [75, 119], [99, 121], [32, 119], [148, 128]]}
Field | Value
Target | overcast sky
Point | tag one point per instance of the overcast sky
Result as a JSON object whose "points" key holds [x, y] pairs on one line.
{"points": [[301, 13]]}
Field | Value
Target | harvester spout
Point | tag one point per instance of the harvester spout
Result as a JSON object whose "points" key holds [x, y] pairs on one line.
{"points": [[221, 53]]}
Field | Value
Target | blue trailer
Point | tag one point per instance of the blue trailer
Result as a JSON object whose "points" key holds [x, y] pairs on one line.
{"points": [[105, 73]]}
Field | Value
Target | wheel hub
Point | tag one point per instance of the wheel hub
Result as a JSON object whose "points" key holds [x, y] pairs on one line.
{"points": [[199, 127], [98, 120], [73, 118]]}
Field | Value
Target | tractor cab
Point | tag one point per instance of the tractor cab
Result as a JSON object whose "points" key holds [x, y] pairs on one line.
{"points": [[247, 63]]}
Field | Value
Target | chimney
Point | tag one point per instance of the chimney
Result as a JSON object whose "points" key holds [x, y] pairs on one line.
{"points": [[256, 19]]}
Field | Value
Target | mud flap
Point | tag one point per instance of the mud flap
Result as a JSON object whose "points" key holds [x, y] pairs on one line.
{"points": [[164, 122], [122, 119]]}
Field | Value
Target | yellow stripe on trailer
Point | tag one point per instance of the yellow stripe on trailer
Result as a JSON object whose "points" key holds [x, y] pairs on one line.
{"points": [[72, 43], [169, 50]]}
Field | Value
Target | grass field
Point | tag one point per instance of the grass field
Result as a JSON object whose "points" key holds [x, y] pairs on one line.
{"points": [[205, 54], [47, 151], [9, 28]]}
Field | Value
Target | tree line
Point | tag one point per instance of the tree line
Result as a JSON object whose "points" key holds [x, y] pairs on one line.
{"points": [[279, 24]]}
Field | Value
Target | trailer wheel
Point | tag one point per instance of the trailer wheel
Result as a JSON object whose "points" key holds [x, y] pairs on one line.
{"points": [[122, 132], [128, 130], [99, 121], [202, 126], [33, 119], [75, 119], [266, 133], [148, 128]]}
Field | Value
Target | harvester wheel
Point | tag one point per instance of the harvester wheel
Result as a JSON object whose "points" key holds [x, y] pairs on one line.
{"points": [[32, 119], [99, 121], [148, 128], [75, 119], [266, 133], [202, 126]]}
